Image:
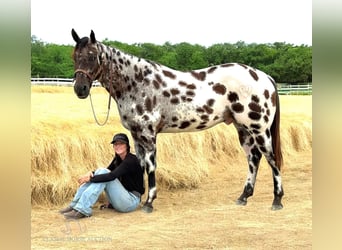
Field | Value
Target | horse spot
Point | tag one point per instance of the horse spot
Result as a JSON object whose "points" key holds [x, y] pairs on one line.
{"points": [[147, 72], [175, 100], [118, 94], [260, 140], [181, 83], [199, 75], [208, 109], [150, 128], [148, 104], [201, 126], [254, 116], [139, 76], [146, 117], [253, 74], [266, 118], [174, 118], [190, 93], [268, 112], [191, 86], [188, 99], [121, 61], [255, 98], [200, 110], [174, 91], [233, 97], [193, 120], [158, 78], [227, 65], [184, 125], [210, 83], [254, 107], [146, 81], [219, 88], [156, 84], [268, 134], [251, 141], [205, 117], [169, 74], [118, 53], [242, 65], [166, 93], [237, 107], [255, 125], [135, 68], [266, 94], [212, 69], [216, 118], [139, 109], [210, 102]]}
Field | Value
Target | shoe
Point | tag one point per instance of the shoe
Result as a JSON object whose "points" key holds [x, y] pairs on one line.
{"points": [[66, 210], [74, 215]]}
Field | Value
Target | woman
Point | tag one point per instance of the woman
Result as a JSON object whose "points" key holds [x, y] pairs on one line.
{"points": [[122, 181]]}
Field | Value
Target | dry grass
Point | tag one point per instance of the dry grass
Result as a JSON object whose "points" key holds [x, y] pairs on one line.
{"points": [[196, 173]]}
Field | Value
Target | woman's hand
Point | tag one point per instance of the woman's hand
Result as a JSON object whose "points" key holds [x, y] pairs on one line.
{"points": [[85, 178]]}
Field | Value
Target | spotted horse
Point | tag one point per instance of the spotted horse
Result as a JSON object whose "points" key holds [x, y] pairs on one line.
{"points": [[152, 98]]}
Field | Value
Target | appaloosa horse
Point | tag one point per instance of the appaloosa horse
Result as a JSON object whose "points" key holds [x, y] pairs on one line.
{"points": [[152, 98]]}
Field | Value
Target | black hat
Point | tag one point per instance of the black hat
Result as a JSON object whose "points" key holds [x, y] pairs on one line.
{"points": [[120, 137]]}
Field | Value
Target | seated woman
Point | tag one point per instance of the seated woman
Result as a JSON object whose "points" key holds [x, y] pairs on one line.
{"points": [[122, 180]]}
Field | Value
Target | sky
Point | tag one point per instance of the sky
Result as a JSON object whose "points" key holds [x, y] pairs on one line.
{"points": [[203, 22]]}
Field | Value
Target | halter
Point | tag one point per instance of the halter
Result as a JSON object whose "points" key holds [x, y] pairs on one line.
{"points": [[110, 92]]}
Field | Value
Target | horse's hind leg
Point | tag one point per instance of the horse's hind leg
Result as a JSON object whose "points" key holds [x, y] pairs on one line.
{"points": [[253, 157]]}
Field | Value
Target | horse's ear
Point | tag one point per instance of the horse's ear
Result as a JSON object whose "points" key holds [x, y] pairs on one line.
{"points": [[92, 37], [75, 36]]}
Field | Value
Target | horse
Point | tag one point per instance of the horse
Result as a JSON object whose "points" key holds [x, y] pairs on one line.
{"points": [[152, 98]]}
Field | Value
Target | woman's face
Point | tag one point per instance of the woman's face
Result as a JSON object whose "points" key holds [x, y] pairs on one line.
{"points": [[120, 147]]}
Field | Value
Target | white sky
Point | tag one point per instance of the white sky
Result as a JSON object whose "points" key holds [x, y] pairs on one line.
{"points": [[204, 22]]}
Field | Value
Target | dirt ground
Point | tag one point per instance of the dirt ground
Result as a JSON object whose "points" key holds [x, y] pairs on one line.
{"points": [[202, 218]]}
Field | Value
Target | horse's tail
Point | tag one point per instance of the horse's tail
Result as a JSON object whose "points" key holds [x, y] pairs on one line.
{"points": [[275, 133]]}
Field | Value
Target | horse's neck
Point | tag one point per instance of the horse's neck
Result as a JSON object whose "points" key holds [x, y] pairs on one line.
{"points": [[124, 70]]}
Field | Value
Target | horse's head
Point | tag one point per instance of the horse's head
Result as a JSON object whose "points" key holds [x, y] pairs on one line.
{"points": [[86, 62]]}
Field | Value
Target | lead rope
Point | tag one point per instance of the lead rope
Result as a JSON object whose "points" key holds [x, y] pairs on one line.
{"points": [[109, 101]]}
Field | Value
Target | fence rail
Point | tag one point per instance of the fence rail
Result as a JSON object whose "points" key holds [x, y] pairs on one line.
{"points": [[283, 89]]}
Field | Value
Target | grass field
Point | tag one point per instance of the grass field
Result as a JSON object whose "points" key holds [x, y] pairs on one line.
{"points": [[199, 177]]}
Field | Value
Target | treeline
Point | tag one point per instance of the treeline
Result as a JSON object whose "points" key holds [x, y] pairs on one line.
{"points": [[286, 63]]}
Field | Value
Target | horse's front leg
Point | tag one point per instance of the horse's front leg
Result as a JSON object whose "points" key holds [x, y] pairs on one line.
{"points": [[146, 152]]}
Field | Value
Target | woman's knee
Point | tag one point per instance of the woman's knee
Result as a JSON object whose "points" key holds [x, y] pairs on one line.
{"points": [[101, 171]]}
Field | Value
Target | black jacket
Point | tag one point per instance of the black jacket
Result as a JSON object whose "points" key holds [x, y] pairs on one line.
{"points": [[128, 171]]}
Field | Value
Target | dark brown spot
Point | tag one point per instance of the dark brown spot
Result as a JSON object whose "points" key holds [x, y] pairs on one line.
{"points": [[242, 65], [254, 116], [174, 100], [174, 118], [219, 88], [184, 125], [260, 140], [254, 74], [237, 107], [158, 78], [200, 110], [190, 93], [156, 84], [135, 68], [233, 97], [266, 94], [255, 98], [255, 125], [181, 83], [210, 102], [208, 109], [254, 107], [166, 93], [205, 117], [201, 126], [227, 65], [146, 117], [140, 109], [266, 118], [199, 75], [169, 74], [191, 86], [139, 76], [212, 69], [148, 104], [174, 91]]}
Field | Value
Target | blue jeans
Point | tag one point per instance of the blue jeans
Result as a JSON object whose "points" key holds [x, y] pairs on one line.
{"points": [[88, 193]]}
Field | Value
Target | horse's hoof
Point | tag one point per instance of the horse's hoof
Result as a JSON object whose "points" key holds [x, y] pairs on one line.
{"points": [[241, 202], [277, 207], [147, 209]]}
